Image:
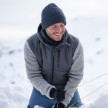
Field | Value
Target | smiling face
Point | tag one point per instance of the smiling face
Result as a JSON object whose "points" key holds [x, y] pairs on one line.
{"points": [[56, 31]]}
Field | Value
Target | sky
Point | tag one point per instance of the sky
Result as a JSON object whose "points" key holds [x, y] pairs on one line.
{"points": [[20, 18]]}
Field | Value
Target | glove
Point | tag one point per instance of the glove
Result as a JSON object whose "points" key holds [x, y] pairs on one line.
{"points": [[60, 105], [57, 94]]}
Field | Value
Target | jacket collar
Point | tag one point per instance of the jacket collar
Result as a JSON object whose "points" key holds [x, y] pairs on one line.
{"points": [[64, 41], [48, 40]]}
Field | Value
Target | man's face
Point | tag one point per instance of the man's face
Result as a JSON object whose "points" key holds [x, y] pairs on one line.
{"points": [[56, 31]]}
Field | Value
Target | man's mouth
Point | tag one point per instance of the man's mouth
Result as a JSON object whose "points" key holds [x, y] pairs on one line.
{"points": [[57, 34]]}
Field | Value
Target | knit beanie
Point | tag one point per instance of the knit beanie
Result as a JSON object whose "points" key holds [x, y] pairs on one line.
{"points": [[52, 14]]}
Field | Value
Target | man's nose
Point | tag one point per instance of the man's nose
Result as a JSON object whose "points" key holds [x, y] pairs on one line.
{"points": [[59, 29]]}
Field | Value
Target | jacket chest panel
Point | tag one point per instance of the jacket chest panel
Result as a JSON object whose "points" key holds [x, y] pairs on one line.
{"points": [[60, 59]]}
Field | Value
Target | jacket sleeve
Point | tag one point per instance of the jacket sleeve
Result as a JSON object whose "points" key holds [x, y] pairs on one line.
{"points": [[75, 74], [34, 72]]}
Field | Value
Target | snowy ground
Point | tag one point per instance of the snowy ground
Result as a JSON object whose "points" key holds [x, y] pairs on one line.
{"points": [[92, 30]]}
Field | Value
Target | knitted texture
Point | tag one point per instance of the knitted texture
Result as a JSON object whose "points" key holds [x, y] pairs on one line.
{"points": [[52, 14]]}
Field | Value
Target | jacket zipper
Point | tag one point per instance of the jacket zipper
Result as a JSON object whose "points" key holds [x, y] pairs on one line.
{"points": [[52, 65]]}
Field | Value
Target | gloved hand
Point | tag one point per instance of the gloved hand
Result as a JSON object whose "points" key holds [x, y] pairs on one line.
{"points": [[57, 94], [60, 105]]}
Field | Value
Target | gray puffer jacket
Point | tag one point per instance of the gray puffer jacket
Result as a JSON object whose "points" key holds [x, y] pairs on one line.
{"points": [[54, 67]]}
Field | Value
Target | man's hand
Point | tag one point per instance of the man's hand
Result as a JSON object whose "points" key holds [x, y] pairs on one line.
{"points": [[59, 105], [57, 94]]}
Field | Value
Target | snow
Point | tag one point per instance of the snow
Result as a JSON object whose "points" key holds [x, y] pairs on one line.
{"points": [[37, 106], [87, 20]]}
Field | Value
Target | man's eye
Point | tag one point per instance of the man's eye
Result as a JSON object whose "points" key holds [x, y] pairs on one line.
{"points": [[62, 25], [53, 26]]}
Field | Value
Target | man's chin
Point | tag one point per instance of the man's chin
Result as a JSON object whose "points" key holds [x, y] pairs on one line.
{"points": [[57, 39]]}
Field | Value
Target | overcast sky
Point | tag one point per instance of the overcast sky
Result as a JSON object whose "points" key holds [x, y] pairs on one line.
{"points": [[18, 16]]}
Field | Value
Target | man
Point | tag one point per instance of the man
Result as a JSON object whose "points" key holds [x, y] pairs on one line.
{"points": [[54, 62]]}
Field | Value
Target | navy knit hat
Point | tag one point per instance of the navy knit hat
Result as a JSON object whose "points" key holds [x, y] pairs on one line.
{"points": [[52, 14]]}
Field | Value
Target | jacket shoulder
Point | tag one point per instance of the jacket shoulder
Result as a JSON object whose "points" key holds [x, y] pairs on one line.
{"points": [[73, 41], [32, 38], [33, 42]]}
